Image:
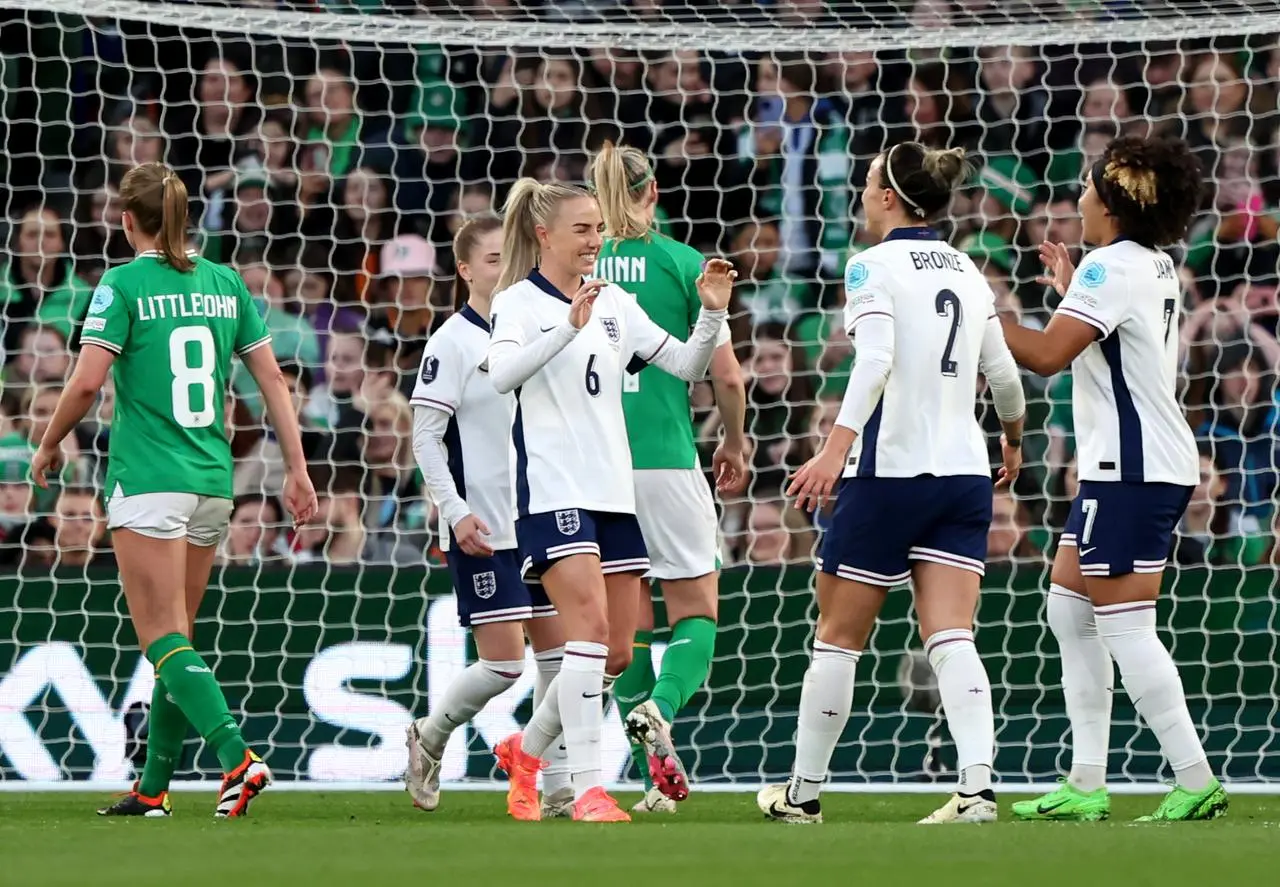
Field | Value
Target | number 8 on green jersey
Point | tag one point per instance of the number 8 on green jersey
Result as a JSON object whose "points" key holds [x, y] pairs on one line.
{"points": [[174, 335]]}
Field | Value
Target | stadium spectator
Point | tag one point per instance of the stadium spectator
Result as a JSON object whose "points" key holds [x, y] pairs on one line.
{"points": [[796, 154], [366, 220], [691, 135], [775, 534], [79, 530], [16, 497], [764, 294], [1012, 104], [1008, 540], [333, 120], [406, 305], [336, 535], [212, 139], [39, 283], [394, 518], [40, 359], [1244, 430], [779, 400], [254, 535]]}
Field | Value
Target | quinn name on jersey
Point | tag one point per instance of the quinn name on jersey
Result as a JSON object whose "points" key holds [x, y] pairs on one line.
{"points": [[451, 380], [571, 448], [945, 331], [1129, 426]]}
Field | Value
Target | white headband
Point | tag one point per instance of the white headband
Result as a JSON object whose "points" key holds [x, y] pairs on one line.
{"points": [[888, 171]]}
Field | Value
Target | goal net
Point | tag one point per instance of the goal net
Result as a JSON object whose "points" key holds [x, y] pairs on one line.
{"points": [[331, 149]]}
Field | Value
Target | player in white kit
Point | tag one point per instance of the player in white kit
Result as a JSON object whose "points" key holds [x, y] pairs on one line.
{"points": [[1117, 327], [461, 437], [915, 501], [565, 357]]}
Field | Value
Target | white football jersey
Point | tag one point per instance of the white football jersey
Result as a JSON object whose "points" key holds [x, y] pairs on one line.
{"points": [[478, 439], [569, 434], [1128, 424], [940, 304]]}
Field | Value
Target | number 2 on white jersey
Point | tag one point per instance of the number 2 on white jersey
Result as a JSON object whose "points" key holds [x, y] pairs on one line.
{"points": [[188, 375]]}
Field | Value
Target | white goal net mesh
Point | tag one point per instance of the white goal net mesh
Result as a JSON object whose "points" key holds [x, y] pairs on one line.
{"points": [[331, 149]]}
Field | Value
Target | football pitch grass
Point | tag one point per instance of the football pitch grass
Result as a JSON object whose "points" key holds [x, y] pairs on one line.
{"points": [[378, 838]]}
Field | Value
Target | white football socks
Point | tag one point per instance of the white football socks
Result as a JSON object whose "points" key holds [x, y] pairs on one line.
{"points": [[465, 697], [1088, 678], [580, 687], [966, 701], [825, 700], [1152, 682], [555, 776]]}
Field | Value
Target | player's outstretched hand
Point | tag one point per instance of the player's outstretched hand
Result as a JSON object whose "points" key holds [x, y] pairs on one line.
{"points": [[813, 483], [729, 467], [470, 533], [1012, 464], [583, 300], [715, 284], [1056, 259], [45, 462], [299, 497]]}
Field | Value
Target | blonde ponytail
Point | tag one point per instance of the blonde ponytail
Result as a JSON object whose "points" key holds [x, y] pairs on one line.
{"points": [[172, 241], [618, 175], [157, 199], [529, 204]]}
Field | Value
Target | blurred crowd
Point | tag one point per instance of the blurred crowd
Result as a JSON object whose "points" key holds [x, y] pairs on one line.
{"points": [[333, 175]]}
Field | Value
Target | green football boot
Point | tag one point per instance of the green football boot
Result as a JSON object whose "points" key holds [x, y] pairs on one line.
{"points": [[1181, 805], [1066, 803]]}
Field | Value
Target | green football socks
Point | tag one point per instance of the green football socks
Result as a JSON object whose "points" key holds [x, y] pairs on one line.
{"points": [[685, 664], [166, 731], [633, 687], [192, 687]]}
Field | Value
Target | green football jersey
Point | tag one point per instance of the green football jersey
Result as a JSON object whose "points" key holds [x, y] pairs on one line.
{"points": [[661, 273], [174, 335]]}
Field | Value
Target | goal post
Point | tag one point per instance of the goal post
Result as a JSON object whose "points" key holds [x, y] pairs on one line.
{"points": [[332, 148]]}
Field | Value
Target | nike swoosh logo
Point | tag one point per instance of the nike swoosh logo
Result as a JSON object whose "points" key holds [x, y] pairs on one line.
{"points": [[629, 699], [679, 642], [1042, 809], [591, 695], [965, 809], [780, 814], [1087, 551], [546, 329], [452, 721]]}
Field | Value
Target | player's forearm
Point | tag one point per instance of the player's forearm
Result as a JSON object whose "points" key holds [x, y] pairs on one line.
{"points": [[428, 449], [873, 341], [690, 360], [512, 364], [866, 383], [1033, 349], [839, 441], [1002, 374], [731, 396], [72, 406], [280, 412]]}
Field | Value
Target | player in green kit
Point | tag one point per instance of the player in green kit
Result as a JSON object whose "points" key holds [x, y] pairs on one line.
{"points": [[673, 502], [166, 325]]}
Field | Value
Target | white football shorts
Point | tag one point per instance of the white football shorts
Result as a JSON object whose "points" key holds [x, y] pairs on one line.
{"points": [[678, 520], [202, 520]]}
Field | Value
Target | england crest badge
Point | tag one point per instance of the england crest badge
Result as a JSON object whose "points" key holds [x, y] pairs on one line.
{"points": [[485, 584], [568, 522], [611, 329]]}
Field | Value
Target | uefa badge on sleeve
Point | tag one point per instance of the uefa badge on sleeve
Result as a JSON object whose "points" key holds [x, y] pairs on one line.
{"points": [[485, 584], [103, 296], [568, 522]]}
